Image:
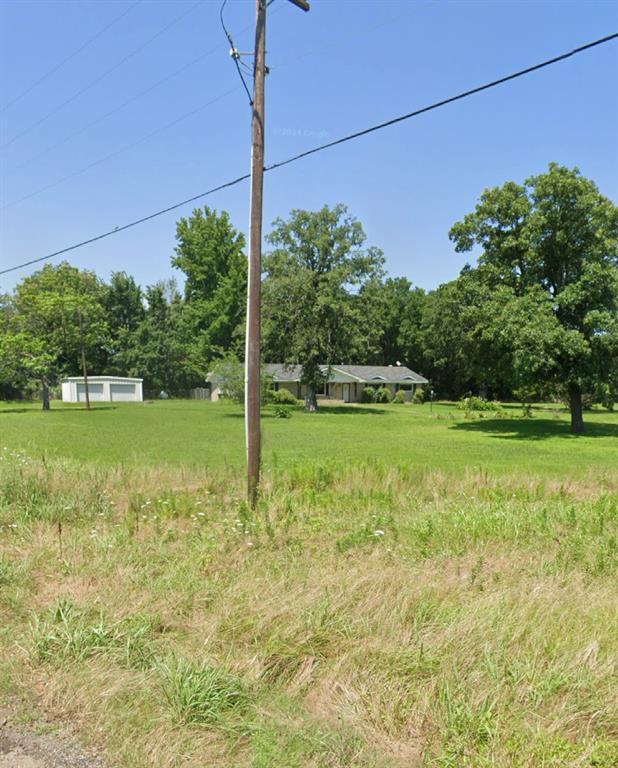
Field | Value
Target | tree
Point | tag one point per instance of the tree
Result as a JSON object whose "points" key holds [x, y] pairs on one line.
{"points": [[210, 252], [393, 312], [124, 302], [43, 338], [552, 243], [312, 311], [157, 352], [461, 345]]}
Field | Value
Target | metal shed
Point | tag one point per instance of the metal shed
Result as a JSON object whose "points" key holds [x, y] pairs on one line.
{"points": [[102, 389]]}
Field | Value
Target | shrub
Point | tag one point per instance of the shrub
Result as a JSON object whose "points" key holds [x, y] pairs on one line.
{"points": [[419, 396], [382, 395], [400, 396], [282, 397], [367, 395], [473, 403], [282, 411]]}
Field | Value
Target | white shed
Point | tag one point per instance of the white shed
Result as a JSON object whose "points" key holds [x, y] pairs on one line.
{"points": [[102, 389]]}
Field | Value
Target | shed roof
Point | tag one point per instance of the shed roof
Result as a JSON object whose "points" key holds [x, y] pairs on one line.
{"points": [[101, 378]]}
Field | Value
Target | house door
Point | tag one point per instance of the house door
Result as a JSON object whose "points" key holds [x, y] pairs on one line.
{"points": [[345, 388]]}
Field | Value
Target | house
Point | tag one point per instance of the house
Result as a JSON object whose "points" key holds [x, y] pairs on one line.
{"points": [[102, 389], [345, 382]]}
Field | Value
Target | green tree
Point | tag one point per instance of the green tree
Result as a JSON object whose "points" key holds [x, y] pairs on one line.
{"points": [[312, 312], [393, 312], [125, 306], [461, 345], [552, 244], [210, 252], [42, 339], [157, 352]]}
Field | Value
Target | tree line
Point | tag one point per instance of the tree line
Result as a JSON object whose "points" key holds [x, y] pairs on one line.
{"points": [[537, 317]]}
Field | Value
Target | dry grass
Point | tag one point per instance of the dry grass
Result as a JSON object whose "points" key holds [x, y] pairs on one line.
{"points": [[364, 616]]}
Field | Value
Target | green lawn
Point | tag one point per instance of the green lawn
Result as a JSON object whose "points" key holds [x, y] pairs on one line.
{"points": [[189, 433]]}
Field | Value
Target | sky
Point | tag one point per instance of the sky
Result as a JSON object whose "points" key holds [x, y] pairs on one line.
{"points": [[110, 111]]}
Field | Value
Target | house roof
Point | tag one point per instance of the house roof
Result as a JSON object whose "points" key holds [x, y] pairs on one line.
{"points": [[367, 374]]}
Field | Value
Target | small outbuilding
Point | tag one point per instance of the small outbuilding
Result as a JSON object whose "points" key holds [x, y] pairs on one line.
{"points": [[102, 389]]}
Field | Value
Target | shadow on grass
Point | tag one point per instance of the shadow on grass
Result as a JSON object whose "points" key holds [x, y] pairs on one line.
{"points": [[338, 410], [59, 410], [533, 429]]}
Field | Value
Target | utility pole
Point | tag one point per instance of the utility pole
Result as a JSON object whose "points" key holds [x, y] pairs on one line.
{"points": [[254, 282], [83, 351]]}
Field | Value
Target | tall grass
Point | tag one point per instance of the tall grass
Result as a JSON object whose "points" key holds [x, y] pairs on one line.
{"points": [[370, 615]]}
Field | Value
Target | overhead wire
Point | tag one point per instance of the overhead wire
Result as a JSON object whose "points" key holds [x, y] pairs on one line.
{"points": [[119, 151], [327, 145], [103, 75], [127, 102], [68, 58], [234, 53]]}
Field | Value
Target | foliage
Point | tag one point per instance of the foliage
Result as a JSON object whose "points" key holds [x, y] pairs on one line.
{"points": [[210, 253], [41, 336], [368, 394], [228, 374], [400, 397], [472, 403], [312, 309], [382, 395], [282, 412], [282, 396], [157, 351], [392, 319], [419, 396], [550, 253]]}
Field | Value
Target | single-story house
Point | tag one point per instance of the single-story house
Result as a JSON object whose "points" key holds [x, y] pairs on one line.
{"points": [[102, 389], [345, 382]]}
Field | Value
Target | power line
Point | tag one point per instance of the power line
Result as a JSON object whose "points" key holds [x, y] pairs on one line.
{"points": [[119, 151], [125, 103], [234, 54], [68, 58], [321, 147], [132, 223], [103, 75], [444, 102]]}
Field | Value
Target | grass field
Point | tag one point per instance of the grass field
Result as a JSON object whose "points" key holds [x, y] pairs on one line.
{"points": [[414, 589], [198, 433]]}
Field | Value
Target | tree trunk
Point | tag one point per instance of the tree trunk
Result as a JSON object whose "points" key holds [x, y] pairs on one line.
{"points": [[575, 402], [45, 386], [311, 401]]}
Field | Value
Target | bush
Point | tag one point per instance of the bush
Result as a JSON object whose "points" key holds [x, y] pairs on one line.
{"points": [[282, 411], [282, 397], [419, 396], [382, 395], [368, 394], [400, 396], [473, 403]]}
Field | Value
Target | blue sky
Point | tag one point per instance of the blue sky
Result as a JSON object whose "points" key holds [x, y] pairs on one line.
{"points": [[151, 111]]}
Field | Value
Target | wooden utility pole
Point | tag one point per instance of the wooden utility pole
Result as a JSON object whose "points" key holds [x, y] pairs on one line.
{"points": [[83, 351], [252, 350], [252, 347]]}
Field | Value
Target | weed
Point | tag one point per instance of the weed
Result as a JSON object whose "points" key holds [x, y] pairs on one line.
{"points": [[202, 693]]}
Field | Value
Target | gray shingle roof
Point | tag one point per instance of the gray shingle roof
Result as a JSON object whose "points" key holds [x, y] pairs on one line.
{"points": [[369, 374]]}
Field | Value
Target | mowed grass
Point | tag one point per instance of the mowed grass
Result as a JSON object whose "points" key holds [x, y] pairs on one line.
{"points": [[204, 434], [414, 589]]}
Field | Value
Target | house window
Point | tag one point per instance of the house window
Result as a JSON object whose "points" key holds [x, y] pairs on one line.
{"points": [[323, 390]]}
